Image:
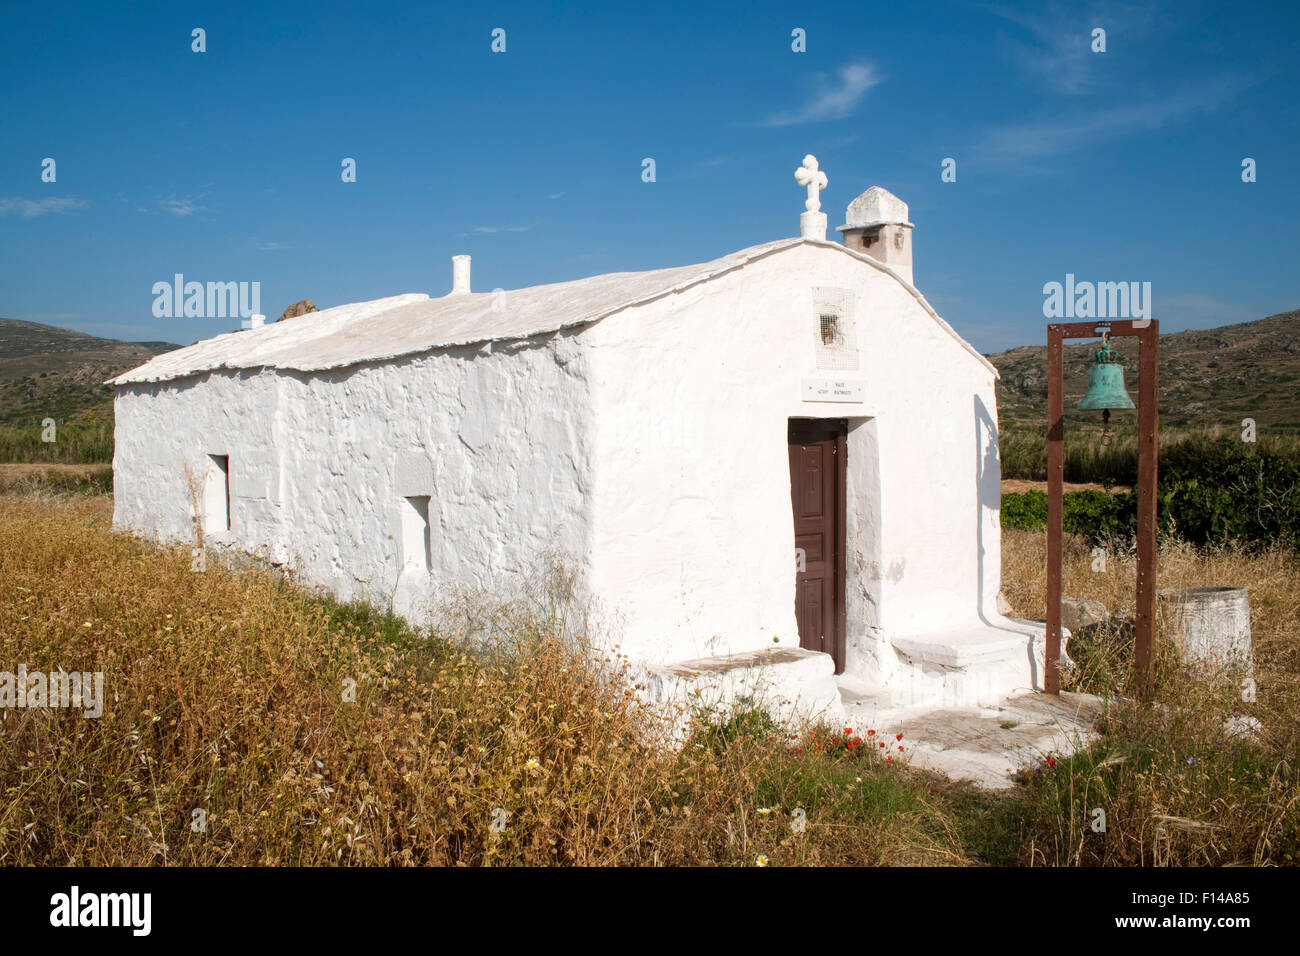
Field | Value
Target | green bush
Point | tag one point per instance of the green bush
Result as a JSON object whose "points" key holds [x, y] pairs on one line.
{"points": [[1094, 514], [1209, 493], [1231, 492], [1026, 511]]}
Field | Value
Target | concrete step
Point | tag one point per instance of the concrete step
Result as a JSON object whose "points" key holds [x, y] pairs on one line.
{"points": [[859, 695], [987, 745], [991, 745], [791, 683], [972, 666], [963, 648]]}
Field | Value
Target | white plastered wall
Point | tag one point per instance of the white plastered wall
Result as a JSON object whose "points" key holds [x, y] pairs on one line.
{"points": [[320, 465], [692, 537]]}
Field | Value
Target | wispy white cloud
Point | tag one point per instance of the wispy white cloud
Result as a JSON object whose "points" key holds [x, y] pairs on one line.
{"points": [[32, 208], [186, 206], [1057, 39], [1039, 139], [698, 169], [833, 99], [271, 246], [502, 228], [555, 195], [1058, 48]]}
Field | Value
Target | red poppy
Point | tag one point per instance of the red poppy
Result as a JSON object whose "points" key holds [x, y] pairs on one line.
{"points": [[1051, 762], [882, 745], [847, 731], [889, 758], [799, 751], [900, 748], [899, 737], [871, 733]]}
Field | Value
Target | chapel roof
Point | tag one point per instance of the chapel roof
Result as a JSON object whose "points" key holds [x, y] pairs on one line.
{"points": [[402, 325]]}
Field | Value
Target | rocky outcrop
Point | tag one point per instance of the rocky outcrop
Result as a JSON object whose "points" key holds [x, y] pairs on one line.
{"points": [[297, 309]]}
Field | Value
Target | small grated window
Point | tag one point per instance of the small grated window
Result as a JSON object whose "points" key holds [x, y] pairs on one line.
{"points": [[836, 341], [831, 329]]}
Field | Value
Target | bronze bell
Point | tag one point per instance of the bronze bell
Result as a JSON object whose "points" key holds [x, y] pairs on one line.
{"points": [[1106, 383]]}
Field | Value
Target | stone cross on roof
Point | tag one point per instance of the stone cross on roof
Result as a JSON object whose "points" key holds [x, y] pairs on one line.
{"points": [[811, 176]]}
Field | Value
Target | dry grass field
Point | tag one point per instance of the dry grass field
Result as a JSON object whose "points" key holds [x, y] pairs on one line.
{"points": [[227, 693], [18, 477], [1222, 799]]}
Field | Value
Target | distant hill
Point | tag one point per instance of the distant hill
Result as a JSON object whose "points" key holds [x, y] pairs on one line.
{"points": [[51, 372], [1207, 378]]}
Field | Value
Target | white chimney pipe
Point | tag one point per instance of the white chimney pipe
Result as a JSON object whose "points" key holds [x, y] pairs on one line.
{"points": [[459, 275]]}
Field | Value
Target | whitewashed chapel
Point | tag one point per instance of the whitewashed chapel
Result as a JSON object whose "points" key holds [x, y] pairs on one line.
{"points": [[780, 463]]}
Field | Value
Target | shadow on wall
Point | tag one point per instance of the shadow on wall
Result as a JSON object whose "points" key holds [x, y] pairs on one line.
{"points": [[988, 486]]}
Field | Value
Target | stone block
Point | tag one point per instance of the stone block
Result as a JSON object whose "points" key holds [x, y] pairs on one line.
{"points": [[1080, 613]]}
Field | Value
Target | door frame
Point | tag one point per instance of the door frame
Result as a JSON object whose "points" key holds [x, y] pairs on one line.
{"points": [[840, 427]]}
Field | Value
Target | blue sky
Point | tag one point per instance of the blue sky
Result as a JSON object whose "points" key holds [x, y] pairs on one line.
{"points": [[225, 165]]}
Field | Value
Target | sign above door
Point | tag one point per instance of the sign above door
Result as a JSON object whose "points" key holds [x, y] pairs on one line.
{"points": [[833, 390]]}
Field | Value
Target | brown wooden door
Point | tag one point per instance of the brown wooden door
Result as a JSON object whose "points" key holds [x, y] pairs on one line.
{"points": [[817, 485]]}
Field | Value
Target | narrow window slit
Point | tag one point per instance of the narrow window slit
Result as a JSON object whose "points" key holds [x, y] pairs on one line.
{"points": [[216, 494], [415, 533]]}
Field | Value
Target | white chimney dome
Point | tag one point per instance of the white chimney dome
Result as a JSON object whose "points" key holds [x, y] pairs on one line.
{"points": [[876, 207], [877, 226]]}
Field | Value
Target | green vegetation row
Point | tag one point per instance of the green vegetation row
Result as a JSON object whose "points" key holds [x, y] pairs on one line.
{"points": [[27, 401], [1024, 451], [74, 444], [1212, 492]]}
